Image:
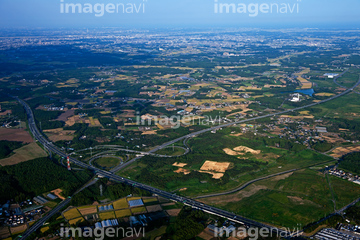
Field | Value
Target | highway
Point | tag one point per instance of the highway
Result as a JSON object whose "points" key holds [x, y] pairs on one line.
{"points": [[190, 202]]}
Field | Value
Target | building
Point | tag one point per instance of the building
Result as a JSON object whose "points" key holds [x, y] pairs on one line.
{"points": [[296, 97]]}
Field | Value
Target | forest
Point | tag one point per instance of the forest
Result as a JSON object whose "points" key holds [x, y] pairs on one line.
{"points": [[29, 179]]}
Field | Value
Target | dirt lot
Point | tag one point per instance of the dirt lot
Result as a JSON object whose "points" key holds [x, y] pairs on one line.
{"points": [[23, 154], [241, 150], [59, 134], [181, 170], [214, 175], [17, 135], [179, 164], [247, 150], [215, 166], [57, 193]]}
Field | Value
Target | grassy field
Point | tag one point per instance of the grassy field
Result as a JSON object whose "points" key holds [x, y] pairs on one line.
{"points": [[347, 106], [107, 162], [138, 210], [74, 221], [123, 213], [23, 154], [298, 198], [350, 78], [120, 204], [161, 173], [107, 215], [72, 213]]}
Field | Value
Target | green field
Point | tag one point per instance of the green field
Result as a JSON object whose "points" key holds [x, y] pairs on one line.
{"points": [[350, 78], [170, 151], [159, 172], [107, 162], [300, 198]]}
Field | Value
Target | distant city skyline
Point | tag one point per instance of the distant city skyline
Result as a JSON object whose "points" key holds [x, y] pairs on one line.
{"points": [[181, 13]]}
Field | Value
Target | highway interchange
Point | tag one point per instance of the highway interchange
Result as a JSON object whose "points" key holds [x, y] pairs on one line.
{"points": [[187, 201]]}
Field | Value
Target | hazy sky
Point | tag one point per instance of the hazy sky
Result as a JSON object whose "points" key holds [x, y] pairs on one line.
{"points": [[312, 13]]}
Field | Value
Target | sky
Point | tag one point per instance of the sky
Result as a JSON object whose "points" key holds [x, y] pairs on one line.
{"points": [[181, 13]]}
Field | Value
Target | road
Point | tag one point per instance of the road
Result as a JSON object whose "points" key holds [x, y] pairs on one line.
{"points": [[116, 169], [186, 201], [190, 202]]}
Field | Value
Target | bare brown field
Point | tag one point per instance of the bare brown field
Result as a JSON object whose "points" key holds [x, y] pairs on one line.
{"points": [[173, 212], [214, 175], [179, 164], [64, 116], [341, 151], [59, 134], [16, 135], [23, 154], [181, 170], [240, 150], [305, 83], [57, 193], [230, 152], [6, 113], [215, 166], [154, 208], [19, 229], [247, 149], [281, 177], [88, 210]]}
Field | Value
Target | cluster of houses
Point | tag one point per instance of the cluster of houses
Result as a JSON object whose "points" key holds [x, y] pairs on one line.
{"points": [[344, 175]]}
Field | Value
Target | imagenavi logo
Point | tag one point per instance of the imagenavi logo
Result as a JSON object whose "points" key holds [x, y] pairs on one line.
{"points": [[255, 9]]}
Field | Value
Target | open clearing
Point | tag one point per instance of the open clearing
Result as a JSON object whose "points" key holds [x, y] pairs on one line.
{"points": [[240, 150], [23, 154], [215, 166], [214, 175], [181, 170], [179, 164], [16, 135], [59, 134], [58, 192], [246, 150]]}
